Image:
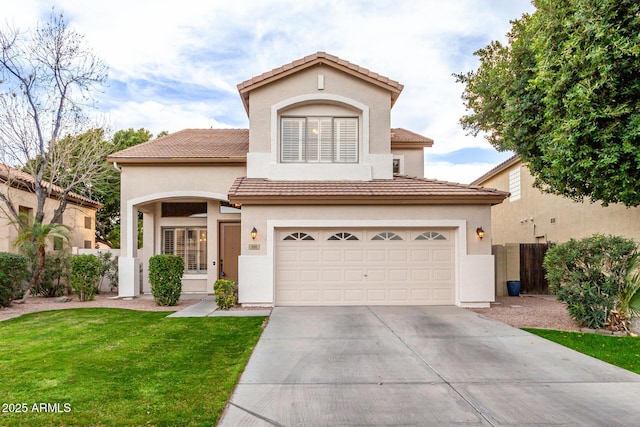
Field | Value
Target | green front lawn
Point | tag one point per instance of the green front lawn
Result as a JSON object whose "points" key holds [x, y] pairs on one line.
{"points": [[100, 366], [619, 351]]}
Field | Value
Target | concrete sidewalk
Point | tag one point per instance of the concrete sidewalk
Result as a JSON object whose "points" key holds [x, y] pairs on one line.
{"points": [[208, 308], [421, 366]]}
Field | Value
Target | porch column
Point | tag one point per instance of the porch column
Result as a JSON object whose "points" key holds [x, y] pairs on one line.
{"points": [[128, 263]]}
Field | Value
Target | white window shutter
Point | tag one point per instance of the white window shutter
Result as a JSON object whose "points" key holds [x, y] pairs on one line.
{"points": [[292, 147], [346, 140]]}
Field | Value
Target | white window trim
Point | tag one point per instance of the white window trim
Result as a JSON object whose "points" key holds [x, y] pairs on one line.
{"points": [[303, 123], [363, 155]]}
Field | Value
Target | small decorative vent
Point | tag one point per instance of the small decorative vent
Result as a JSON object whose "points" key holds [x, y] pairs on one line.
{"points": [[298, 236], [431, 235], [386, 235], [343, 236]]}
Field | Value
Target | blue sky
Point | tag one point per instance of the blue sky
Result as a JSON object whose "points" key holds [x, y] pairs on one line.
{"points": [[175, 65]]}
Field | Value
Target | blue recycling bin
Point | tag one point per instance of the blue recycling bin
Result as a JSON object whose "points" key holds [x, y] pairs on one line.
{"points": [[513, 288]]}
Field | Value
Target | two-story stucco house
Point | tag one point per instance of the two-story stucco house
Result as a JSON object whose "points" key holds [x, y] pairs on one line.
{"points": [[319, 202], [79, 216]]}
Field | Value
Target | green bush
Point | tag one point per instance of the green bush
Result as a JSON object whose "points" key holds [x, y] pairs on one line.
{"points": [[85, 273], [55, 275], [226, 292], [590, 275], [13, 271], [108, 270], [165, 276]]}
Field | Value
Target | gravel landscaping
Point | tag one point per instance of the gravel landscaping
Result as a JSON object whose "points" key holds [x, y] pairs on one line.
{"points": [[540, 311]]}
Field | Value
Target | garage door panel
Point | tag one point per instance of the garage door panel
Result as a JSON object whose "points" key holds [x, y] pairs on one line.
{"points": [[398, 295], [399, 270], [331, 255], [376, 255], [354, 295], [331, 295], [442, 275], [421, 255], [354, 275], [309, 275], [443, 255], [332, 275], [398, 275], [353, 256], [376, 295], [309, 256], [376, 275]]}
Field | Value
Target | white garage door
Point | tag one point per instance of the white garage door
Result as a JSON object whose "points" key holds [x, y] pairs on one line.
{"points": [[365, 267]]}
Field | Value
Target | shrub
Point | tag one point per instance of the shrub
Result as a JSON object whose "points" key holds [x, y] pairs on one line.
{"points": [[590, 275], [13, 271], [52, 282], [85, 272], [165, 276], [226, 292], [108, 270]]}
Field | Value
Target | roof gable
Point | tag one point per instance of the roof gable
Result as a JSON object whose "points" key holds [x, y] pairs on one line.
{"points": [[497, 170], [318, 58]]}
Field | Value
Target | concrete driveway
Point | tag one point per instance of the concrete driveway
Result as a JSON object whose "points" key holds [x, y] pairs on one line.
{"points": [[421, 366]]}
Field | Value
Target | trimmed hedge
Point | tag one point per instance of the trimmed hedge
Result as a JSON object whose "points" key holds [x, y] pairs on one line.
{"points": [[85, 273], [226, 292], [165, 276], [13, 271]]}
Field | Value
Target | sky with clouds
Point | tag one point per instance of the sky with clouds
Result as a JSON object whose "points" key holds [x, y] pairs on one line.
{"points": [[176, 64]]}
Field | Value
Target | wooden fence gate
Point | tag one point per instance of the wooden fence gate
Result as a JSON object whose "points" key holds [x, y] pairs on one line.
{"points": [[532, 280]]}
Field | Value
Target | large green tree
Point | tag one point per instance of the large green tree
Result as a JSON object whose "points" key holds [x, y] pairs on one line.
{"points": [[564, 94], [107, 191]]}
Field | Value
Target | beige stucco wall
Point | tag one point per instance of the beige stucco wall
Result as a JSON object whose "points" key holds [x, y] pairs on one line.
{"points": [[74, 217], [474, 262], [258, 216], [299, 93], [412, 161], [306, 82], [144, 188], [529, 219], [160, 182]]}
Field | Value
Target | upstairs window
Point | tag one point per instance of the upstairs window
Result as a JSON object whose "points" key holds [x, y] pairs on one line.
{"points": [[514, 184], [319, 140]]}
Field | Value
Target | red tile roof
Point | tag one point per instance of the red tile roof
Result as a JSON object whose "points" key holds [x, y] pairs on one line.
{"points": [[19, 179], [188, 146], [400, 190], [495, 171], [403, 138], [222, 145], [318, 58]]}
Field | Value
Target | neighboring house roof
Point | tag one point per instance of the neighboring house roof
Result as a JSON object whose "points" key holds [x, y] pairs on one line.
{"points": [[221, 146], [318, 58], [495, 171], [22, 180], [402, 138], [400, 190], [190, 146]]}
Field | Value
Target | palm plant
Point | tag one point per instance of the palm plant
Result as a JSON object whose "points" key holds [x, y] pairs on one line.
{"points": [[32, 240]]}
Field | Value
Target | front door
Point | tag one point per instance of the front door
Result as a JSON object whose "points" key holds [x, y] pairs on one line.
{"points": [[229, 250]]}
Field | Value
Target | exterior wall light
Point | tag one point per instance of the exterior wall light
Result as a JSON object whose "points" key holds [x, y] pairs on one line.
{"points": [[480, 232], [254, 233]]}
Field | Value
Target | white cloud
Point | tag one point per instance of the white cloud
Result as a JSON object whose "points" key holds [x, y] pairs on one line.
{"points": [[177, 65]]}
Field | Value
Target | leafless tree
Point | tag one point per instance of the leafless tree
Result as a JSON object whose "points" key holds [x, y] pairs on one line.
{"points": [[48, 127]]}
